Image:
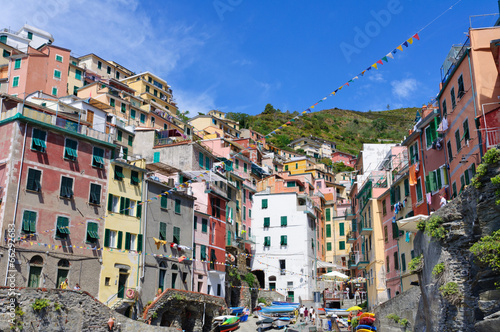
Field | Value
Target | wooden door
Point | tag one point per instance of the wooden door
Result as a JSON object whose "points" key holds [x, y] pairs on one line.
{"points": [[62, 274], [90, 118], [34, 277]]}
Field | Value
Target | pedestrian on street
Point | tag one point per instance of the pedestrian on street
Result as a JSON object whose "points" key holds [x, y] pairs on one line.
{"points": [[301, 311], [306, 314]]}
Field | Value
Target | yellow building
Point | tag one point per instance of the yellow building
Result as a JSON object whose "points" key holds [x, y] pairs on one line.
{"points": [[299, 165], [215, 123], [123, 234]]}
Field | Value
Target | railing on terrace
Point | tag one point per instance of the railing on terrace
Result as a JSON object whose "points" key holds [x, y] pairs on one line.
{"points": [[492, 136], [59, 122], [306, 208]]}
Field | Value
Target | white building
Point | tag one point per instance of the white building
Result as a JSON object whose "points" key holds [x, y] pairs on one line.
{"points": [[27, 35], [284, 226]]}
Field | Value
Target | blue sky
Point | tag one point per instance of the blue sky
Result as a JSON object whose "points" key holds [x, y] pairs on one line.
{"points": [[239, 55]]}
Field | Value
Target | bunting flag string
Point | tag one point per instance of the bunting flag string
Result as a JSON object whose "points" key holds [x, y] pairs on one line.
{"points": [[375, 65]]}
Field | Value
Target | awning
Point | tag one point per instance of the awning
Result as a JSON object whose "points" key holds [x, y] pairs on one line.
{"points": [[205, 175], [321, 264], [410, 224]]}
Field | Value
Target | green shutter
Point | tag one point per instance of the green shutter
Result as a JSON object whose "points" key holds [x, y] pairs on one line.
{"points": [[466, 175], [138, 212], [127, 206], [407, 187], [163, 231], [207, 163], [178, 206], [139, 242], [267, 221], [106, 237], [177, 235], [228, 240], [204, 225], [267, 241], [328, 214], [393, 196], [156, 157], [164, 202], [122, 205], [284, 221], [341, 245], [62, 225], [427, 184], [244, 213], [419, 190], [264, 203], [329, 246], [127, 241], [403, 262], [119, 241], [328, 230], [200, 159], [283, 240], [341, 229]]}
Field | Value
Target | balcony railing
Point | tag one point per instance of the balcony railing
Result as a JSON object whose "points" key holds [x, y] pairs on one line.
{"points": [[59, 122], [306, 209], [349, 214], [365, 227], [357, 260], [351, 237], [492, 137]]}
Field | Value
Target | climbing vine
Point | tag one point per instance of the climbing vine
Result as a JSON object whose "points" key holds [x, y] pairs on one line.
{"points": [[417, 263]]}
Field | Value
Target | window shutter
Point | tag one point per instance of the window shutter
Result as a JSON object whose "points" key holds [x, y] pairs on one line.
{"points": [[207, 163], [328, 215], [434, 181], [341, 245], [407, 187], [341, 229], [178, 206], [119, 241], [122, 204], [106, 237], [139, 242], [127, 206], [403, 262], [177, 235], [127, 241], [164, 202], [267, 221], [393, 196], [284, 221], [283, 240], [264, 203], [163, 231], [328, 230], [427, 184], [138, 212]]}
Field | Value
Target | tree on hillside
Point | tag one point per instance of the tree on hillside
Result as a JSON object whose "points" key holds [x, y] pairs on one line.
{"points": [[341, 167], [242, 118], [379, 124], [269, 109]]}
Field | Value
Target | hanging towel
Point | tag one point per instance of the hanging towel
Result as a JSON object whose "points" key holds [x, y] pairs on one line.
{"points": [[413, 175], [407, 239], [428, 196]]}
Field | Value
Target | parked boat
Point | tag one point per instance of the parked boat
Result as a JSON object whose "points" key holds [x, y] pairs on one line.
{"points": [[338, 312], [281, 322], [367, 321], [278, 309], [236, 310], [365, 327], [244, 318], [227, 327], [264, 323], [225, 323], [293, 304]]}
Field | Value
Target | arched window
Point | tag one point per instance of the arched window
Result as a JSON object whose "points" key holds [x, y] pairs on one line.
{"points": [[36, 260], [62, 271], [161, 276], [35, 271], [63, 263]]}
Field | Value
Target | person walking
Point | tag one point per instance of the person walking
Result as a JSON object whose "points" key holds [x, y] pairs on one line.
{"points": [[301, 312], [306, 315]]}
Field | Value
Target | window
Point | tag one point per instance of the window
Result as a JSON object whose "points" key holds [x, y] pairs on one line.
{"points": [[29, 222], [98, 157], [328, 230], [282, 267], [15, 81], [407, 187], [124, 107], [244, 213], [130, 140], [284, 221], [30, 37], [57, 74], [66, 187], [113, 239], [431, 132], [207, 163], [457, 140], [119, 135], [178, 206], [461, 91], [124, 206], [454, 186], [396, 264], [156, 157], [328, 246], [203, 252], [93, 232], [38, 140], [134, 178], [75, 90], [341, 229], [283, 241], [245, 169], [163, 231], [452, 95], [403, 262], [445, 111], [267, 222], [164, 202], [384, 207], [328, 214], [267, 241], [113, 202], [6, 54], [119, 173], [132, 113], [450, 152], [143, 118], [70, 149], [286, 167], [95, 194], [341, 245], [130, 241], [386, 234], [395, 230], [112, 102], [147, 88], [176, 235], [419, 190], [54, 91], [264, 203], [117, 75], [413, 153], [17, 64], [204, 225], [213, 260], [387, 264], [62, 230], [99, 64], [78, 74], [200, 159], [3, 39], [466, 135], [34, 177]]}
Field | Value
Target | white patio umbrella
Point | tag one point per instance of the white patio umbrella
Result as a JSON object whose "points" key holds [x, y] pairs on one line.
{"points": [[334, 275]]}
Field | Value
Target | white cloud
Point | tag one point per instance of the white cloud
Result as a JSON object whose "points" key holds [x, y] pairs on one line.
{"points": [[404, 88], [195, 102], [376, 77]]}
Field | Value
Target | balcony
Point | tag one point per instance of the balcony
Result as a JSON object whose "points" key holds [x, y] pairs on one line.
{"points": [[351, 237], [351, 264], [492, 137], [349, 214], [365, 227], [212, 187]]}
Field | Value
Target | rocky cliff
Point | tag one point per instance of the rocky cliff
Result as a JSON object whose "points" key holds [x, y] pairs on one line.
{"points": [[463, 296]]}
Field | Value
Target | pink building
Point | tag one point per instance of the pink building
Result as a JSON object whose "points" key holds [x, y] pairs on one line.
{"points": [[54, 194], [44, 69], [343, 157]]}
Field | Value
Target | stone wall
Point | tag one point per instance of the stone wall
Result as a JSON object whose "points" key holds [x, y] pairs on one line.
{"points": [[67, 311], [466, 219], [271, 296], [403, 305]]}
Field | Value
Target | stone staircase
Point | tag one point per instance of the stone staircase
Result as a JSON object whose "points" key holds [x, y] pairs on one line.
{"points": [[349, 303]]}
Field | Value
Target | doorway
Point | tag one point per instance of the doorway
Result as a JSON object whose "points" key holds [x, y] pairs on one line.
{"points": [[122, 284], [36, 263], [62, 272]]}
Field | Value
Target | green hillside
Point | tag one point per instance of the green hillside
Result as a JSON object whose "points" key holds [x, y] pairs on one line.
{"points": [[349, 129]]}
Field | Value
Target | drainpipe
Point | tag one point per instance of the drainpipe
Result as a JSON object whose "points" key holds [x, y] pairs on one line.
{"points": [[400, 269], [17, 197], [423, 170], [144, 227], [480, 140]]}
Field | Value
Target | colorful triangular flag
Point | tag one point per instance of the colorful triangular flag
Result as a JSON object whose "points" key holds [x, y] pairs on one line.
{"points": [[385, 58], [405, 43], [416, 36], [390, 55], [374, 66], [410, 40], [400, 47], [380, 62]]}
